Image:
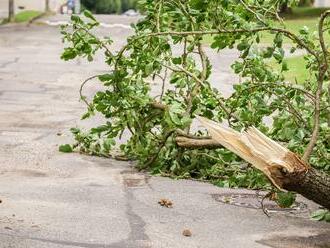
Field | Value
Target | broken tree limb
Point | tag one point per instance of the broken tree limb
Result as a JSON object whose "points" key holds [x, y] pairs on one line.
{"points": [[283, 167], [191, 143]]}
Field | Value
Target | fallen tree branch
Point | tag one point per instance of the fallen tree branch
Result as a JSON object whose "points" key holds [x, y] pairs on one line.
{"points": [[283, 167]]}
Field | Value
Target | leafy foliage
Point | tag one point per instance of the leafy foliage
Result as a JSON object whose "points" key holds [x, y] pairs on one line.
{"points": [[167, 48], [67, 148], [27, 15], [285, 200]]}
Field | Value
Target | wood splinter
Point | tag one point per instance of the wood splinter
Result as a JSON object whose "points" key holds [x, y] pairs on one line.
{"points": [[283, 168]]}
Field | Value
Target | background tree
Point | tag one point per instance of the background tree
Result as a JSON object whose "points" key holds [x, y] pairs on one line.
{"points": [[89, 4], [285, 7], [11, 11], [47, 7], [129, 4], [109, 6]]}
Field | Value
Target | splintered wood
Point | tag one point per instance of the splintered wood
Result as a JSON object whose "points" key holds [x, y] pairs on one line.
{"points": [[283, 168]]}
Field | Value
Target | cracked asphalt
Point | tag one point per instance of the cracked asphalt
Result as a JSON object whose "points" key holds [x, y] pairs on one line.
{"points": [[51, 199]]}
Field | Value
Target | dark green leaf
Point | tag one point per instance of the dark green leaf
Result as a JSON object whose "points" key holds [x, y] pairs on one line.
{"points": [[66, 148]]}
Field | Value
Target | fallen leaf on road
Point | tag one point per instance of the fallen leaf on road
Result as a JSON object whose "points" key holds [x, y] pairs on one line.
{"points": [[165, 203], [186, 233]]}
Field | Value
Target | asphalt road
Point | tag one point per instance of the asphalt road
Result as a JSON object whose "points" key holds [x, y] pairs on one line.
{"points": [[50, 199]]}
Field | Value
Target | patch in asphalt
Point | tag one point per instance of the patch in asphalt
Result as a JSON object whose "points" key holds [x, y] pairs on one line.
{"points": [[133, 179]]}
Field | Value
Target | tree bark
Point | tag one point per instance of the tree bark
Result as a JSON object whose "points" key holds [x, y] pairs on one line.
{"points": [[312, 184], [11, 11], [283, 167]]}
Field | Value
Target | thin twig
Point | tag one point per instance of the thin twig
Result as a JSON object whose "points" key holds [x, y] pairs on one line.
{"points": [[163, 85], [323, 68], [82, 97], [263, 206]]}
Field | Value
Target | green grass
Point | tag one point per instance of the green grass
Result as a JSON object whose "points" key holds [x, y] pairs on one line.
{"points": [[305, 12], [27, 15], [297, 69], [294, 25], [301, 17]]}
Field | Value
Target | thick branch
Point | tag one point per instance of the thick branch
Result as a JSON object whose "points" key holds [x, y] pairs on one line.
{"points": [[189, 143], [312, 184], [284, 168]]}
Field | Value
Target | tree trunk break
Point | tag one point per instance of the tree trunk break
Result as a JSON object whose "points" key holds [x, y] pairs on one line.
{"points": [[283, 167]]}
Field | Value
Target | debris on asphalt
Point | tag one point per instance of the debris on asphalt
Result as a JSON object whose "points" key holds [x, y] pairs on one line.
{"points": [[165, 203], [186, 233]]}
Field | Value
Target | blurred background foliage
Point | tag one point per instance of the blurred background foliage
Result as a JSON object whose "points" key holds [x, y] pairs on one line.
{"points": [[109, 6]]}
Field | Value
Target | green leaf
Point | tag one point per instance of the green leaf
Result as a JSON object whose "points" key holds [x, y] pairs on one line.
{"points": [[285, 66], [75, 131], [293, 49], [149, 68], [177, 60], [90, 58], [76, 19], [89, 15], [243, 45], [69, 53], [198, 4], [65, 148], [105, 77], [278, 40], [278, 54], [304, 30], [176, 112], [268, 53]]}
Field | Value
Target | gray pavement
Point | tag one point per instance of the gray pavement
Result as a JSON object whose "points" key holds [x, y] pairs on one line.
{"points": [[50, 199]]}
